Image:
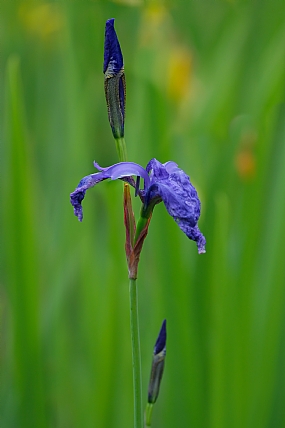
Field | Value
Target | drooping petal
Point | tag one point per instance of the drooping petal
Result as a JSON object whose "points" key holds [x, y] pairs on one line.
{"points": [[194, 234], [78, 195], [171, 185], [123, 171]]}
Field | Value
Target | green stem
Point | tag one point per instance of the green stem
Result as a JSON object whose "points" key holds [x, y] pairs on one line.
{"points": [[138, 414], [121, 149], [148, 414]]}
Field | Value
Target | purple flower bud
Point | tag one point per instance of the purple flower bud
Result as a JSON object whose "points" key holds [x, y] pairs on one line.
{"points": [[157, 368], [115, 86]]}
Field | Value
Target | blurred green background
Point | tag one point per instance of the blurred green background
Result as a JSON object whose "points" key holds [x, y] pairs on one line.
{"points": [[205, 88]]}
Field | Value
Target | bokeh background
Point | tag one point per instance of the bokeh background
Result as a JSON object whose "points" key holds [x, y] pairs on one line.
{"points": [[205, 88]]}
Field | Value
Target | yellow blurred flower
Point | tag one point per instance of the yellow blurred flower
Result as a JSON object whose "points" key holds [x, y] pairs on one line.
{"points": [[42, 20], [129, 2], [169, 64], [179, 73]]}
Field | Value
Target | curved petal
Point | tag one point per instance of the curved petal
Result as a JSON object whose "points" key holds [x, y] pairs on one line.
{"points": [[126, 169], [123, 171], [78, 195], [100, 168]]}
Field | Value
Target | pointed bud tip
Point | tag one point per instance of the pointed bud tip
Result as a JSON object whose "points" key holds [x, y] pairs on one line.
{"points": [[110, 22], [161, 340]]}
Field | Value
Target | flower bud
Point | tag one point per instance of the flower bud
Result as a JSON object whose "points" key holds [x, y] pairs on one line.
{"points": [[157, 368], [115, 86]]}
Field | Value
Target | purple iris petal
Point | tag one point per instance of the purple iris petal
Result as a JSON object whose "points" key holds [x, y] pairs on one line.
{"points": [[126, 169], [171, 167], [113, 58], [100, 168], [122, 170], [78, 195]]}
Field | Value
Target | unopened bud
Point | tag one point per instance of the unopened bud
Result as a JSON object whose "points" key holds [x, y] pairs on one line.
{"points": [[157, 368], [115, 86]]}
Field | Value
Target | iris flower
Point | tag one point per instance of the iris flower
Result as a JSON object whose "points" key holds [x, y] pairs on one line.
{"points": [[162, 182]]}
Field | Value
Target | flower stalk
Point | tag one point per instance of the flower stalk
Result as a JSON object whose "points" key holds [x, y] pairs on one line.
{"points": [[148, 414], [115, 92], [136, 355], [121, 148]]}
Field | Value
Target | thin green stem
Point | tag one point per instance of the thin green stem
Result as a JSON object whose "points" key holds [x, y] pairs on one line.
{"points": [[138, 413], [148, 414], [135, 336], [121, 149]]}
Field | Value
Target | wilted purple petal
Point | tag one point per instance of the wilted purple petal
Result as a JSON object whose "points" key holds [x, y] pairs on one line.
{"points": [[170, 184], [194, 234], [156, 171], [171, 167]]}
